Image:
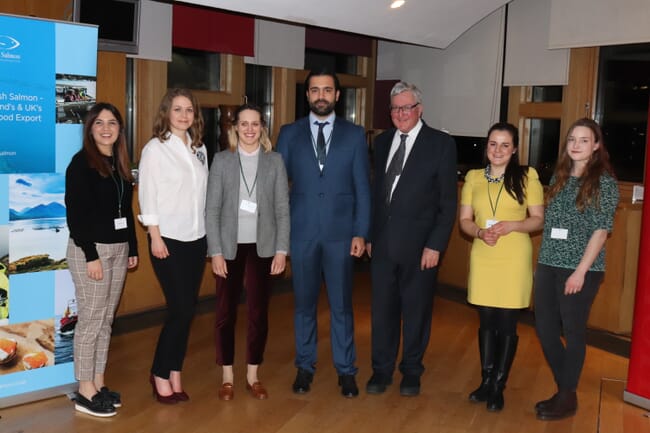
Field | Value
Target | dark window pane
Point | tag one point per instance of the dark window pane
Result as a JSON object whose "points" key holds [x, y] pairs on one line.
{"points": [[544, 143], [622, 106], [259, 89], [470, 153], [547, 94], [211, 131], [339, 63], [193, 69]]}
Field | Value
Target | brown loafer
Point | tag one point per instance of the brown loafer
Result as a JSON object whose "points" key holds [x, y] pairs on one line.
{"points": [[257, 390], [226, 392]]}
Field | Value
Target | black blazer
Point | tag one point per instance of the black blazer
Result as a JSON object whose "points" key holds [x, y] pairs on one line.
{"points": [[423, 208]]}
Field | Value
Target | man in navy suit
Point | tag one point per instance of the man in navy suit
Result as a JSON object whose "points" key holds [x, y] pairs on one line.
{"points": [[414, 208], [327, 164]]}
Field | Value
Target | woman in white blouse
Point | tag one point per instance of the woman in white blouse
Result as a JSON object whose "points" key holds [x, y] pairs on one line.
{"points": [[173, 176]]}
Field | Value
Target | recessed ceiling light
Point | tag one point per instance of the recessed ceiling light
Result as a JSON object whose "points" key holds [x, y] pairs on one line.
{"points": [[397, 3]]}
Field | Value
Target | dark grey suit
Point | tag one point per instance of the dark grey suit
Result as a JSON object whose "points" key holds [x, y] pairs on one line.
{"points": [[421, 214]]}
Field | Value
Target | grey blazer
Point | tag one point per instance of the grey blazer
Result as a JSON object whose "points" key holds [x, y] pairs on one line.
{"points": [[222, 205]]}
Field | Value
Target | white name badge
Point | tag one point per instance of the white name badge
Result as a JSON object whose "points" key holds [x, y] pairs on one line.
{"points": [[248, 206], [120, 223], [490, 223], [557, 233]]}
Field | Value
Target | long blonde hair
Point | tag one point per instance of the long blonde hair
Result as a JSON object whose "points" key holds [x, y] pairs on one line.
{"points": [[233, 138], [161, 125]]}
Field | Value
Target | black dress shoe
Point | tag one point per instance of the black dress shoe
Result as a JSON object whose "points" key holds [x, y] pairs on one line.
{"points": [[410, 385], [378, 383], [302, 382], [348, 386]]}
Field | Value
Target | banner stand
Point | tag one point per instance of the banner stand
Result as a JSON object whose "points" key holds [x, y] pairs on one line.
{"points": [[41, 394], [48, 82]]}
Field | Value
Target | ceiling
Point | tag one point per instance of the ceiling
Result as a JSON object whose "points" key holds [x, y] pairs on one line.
{"points": [[432, 23]]}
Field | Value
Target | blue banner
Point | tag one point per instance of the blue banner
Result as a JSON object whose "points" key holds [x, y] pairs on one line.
{"points": [[47, 84]]}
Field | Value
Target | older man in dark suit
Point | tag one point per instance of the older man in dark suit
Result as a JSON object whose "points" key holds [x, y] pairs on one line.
{"points": [[327, 163], [414, 209]]}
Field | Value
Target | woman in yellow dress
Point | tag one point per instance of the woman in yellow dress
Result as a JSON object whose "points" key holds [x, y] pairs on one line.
{"points": [[500, 206]]}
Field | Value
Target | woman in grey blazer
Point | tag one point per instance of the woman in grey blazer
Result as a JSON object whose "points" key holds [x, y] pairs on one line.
{"points": [[247, 225]]}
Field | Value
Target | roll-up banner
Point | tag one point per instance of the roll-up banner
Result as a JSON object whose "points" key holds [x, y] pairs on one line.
{"points": [[47, 84]]}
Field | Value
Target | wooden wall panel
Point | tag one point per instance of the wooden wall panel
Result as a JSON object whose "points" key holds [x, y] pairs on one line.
{"points": [[150, 86], [51, 9], [111, 79]]}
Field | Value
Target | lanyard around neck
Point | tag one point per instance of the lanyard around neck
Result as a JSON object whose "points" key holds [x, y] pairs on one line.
{"points": [[250, 190], [493, 206]]}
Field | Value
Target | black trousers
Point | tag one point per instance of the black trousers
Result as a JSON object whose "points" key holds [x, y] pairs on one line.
{"points": [[402, 300], [557, 314], [180, 276]]}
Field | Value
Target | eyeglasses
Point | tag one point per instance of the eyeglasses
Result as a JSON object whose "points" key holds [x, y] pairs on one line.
{"points": [[406, 109]]}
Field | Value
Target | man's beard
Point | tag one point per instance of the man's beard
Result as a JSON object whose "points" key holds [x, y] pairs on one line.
{"points": [[321, 110]]}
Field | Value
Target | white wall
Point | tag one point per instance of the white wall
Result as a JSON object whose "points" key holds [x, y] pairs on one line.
{"points": [[461, 85]]}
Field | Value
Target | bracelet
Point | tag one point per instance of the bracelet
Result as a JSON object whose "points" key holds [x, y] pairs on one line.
{"points": [[478, 233]]}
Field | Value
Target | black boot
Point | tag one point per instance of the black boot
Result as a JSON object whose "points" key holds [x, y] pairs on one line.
{"points": [[562, 406], [487, 344], [505, 355], [544, 404]]}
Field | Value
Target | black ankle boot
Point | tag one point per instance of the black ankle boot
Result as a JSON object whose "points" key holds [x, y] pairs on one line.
{"points": [[562, 406], [487, 342], [544, 404], [505, 355]]}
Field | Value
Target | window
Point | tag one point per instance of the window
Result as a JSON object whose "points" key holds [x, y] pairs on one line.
{"points": [[193, 69], [211, 131], [259, 90], [543, 146], [537, 111], [339, 63], [622, 106], [470, 154], [546, 94]]}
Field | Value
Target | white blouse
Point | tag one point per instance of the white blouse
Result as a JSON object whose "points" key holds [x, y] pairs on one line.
{"points": [[172, 183]]}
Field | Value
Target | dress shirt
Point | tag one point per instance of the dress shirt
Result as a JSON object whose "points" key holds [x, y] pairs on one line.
{"points": [[172, 188], [410, 140], [327, 131]]}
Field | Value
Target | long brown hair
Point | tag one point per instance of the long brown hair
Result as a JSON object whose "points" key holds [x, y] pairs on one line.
{"points": [[598, 164], [233, 138], [95, 158], [161, 126]]}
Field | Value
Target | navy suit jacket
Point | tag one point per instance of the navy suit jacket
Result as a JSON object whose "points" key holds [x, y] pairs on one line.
{"points": [[334, 204], [423, 206]]}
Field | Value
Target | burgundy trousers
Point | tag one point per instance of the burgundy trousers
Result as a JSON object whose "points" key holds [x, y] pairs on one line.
{"points": [[252, 271]]}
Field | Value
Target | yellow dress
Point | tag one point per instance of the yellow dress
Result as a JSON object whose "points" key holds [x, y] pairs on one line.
{"points": [[502, 275]]}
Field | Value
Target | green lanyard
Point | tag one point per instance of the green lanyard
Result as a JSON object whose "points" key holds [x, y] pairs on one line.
{"points": [[241, 170], [493, 206]]}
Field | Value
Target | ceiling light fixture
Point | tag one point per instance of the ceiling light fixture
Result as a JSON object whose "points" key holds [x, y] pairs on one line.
{"points": [[397, 3]]}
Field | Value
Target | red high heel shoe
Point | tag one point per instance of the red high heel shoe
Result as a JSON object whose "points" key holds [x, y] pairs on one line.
{"points": [[164, 399], [181, 396]]}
